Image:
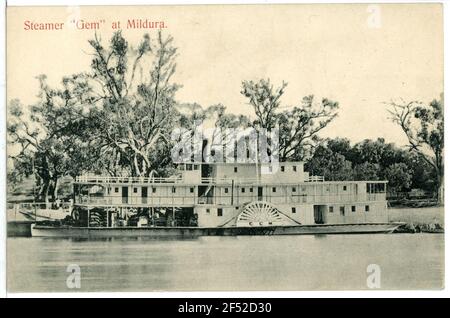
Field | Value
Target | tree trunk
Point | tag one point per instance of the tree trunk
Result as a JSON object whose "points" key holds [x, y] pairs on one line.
{"points": [[43, 191], [440, 189], [55, 189]]}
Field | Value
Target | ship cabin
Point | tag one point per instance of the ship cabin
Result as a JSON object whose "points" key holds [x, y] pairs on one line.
{"points": [[228, 194]]}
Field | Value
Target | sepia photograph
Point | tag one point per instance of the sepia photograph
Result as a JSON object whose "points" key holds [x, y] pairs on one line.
{"points": [[243, 147]]}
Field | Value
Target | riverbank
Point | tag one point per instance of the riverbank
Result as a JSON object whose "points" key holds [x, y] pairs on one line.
{"points": [[428, 220]]}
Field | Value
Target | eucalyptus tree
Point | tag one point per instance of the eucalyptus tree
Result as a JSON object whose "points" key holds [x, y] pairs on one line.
{"points": [[115, 117], [50, 138], [298, 126], [137, 101], [423, 126]]}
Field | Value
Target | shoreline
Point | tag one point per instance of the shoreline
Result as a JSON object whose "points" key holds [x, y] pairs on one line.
{"points": [[418, 220]]}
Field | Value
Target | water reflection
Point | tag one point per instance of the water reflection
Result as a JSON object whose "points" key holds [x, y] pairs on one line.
{"points": [[309, 262]]}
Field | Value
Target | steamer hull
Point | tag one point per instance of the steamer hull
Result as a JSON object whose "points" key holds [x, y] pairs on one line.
{"points": [[192, 232]]}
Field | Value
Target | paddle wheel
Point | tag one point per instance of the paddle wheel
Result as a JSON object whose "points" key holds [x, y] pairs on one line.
{"points": [[259, 213]]}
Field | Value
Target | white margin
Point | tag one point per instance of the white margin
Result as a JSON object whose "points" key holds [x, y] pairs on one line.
{"points": [[3, 151]]}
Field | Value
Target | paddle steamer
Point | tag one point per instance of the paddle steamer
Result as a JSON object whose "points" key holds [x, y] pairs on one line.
{"points": [[224, 199]]}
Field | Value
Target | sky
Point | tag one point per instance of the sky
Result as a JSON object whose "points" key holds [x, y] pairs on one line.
{"points": [[357, 54]]}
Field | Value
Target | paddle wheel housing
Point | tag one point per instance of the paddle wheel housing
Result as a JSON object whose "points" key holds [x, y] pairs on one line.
{"points": [[259, 213]]}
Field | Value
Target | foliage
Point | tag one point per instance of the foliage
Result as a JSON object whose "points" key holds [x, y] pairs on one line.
{"points": [[337, 159], [298, 127], [399, 177], [51, 136], [423, 125], [134, 119], [331, 165]]}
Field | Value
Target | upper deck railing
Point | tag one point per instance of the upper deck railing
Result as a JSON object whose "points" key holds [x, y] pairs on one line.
{"points": [[315, 179], [107, 179], [180, 180]]}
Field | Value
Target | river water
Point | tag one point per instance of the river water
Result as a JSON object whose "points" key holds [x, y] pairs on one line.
{"points": [[310, 262]]}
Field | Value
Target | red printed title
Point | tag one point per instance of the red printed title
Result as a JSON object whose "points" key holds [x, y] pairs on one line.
{"points": [[93, 25]]}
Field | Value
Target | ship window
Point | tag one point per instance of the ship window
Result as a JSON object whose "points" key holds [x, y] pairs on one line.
{"points": [[367, 208], [135, 190], [274, 189], [189, 167], [235, 169], [344, 188], [237, 208], [294, 168], [251, 189], [331, 209], [353, 208], [154, 190], [191, 190], [294, 189], [116, 189], [195, 167], [207, 210], [282, 168], [243, 190], [174, 190], [294, 210], [342, 210], [226, 190], [219, 212], [375, 188]]}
